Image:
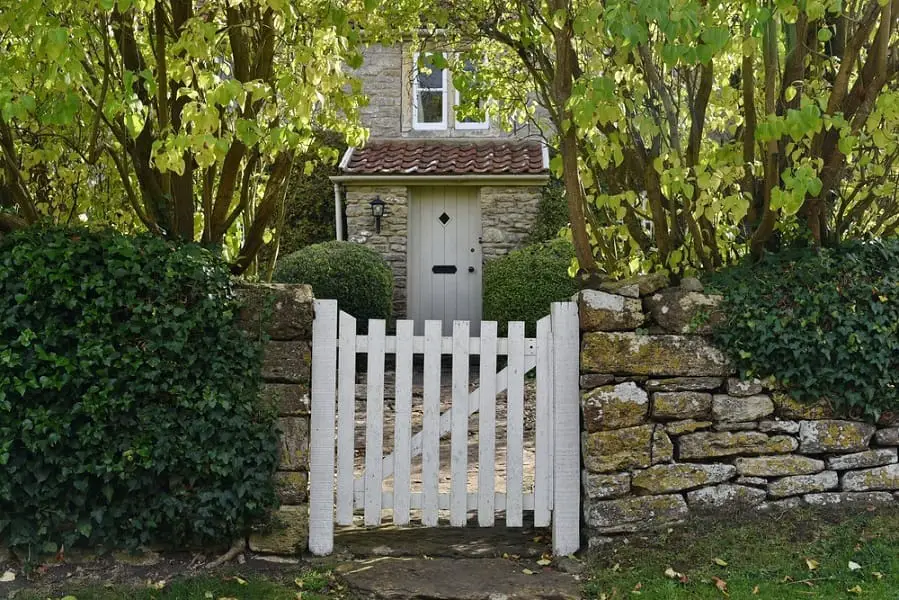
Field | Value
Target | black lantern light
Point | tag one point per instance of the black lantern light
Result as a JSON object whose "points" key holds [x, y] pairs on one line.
{"points": [[377, 211]]}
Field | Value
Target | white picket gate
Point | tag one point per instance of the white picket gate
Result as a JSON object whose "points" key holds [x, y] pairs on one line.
{"points": [[553, 353]]}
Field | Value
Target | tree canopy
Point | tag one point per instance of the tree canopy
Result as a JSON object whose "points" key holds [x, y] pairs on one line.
{"points": [[177, 116], [692, 132]]}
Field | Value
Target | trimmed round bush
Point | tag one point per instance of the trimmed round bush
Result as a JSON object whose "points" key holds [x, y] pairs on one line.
{"points": [[354, 275], [522, 285], [824, 323], [128, 410]]}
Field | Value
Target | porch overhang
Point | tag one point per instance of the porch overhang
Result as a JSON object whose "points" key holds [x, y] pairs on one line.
{"points": [[476, 180]]}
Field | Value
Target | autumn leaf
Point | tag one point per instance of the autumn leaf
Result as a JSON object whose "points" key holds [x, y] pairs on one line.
{"points": [[855, 590], [854, 566], [755, 591], [812, 564], [544, 562], [527, 572], [720, 562], [721, 585], [7, 577], [877, 575]]}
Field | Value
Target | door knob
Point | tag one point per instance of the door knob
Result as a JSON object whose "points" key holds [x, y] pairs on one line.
{"points": [[471, 269]]}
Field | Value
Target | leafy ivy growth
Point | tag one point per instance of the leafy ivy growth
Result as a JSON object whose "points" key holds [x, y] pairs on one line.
{"points": [[823, 323], [128, 410]]}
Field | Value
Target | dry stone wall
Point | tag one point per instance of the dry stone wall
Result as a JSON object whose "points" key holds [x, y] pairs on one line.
{"points": [[669, 431], [284, 313]]}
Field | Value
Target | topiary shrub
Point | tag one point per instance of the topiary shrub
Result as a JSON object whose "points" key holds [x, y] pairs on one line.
{"points": [[522, 285], [127, 395], [823, 323], [354, 275]]}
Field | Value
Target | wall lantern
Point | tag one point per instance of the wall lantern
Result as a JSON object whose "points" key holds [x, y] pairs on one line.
{"points": [[377, 211]]}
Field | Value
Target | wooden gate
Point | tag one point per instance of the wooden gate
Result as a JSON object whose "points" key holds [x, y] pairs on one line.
{"points": [[555, 495]]}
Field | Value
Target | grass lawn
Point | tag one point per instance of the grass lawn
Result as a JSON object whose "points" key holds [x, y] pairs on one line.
{"points": [[310, 585], [807, 554]]}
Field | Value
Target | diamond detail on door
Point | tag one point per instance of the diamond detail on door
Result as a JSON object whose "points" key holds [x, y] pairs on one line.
{"points": [[444, 218]]}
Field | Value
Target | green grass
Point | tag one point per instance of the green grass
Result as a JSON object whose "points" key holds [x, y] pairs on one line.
{"points": [[312, 585], [801, 555]]}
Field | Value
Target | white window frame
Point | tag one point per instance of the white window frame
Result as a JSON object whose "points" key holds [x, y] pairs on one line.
{"points": [[415, 98]]}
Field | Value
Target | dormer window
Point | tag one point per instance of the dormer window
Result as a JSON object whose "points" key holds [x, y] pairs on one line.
{"points": [[476, 121], [429, 94]]}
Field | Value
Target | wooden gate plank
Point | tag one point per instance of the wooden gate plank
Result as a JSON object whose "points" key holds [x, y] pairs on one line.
{"points": [[543, 462], [515, 427], [459, 436], [321, 434], [566, 430], [374, 422], [429, 440], [403, 425], [346, 419], [487, 425]]}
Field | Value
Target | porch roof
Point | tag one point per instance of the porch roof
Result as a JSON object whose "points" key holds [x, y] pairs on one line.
{"points": [[447, 158]]}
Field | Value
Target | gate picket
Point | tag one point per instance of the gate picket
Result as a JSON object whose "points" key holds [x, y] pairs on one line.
{"points": [[543, 472], [346, 418], [459, 438], [430, 436], [402, 438], [515, 427], [487, 425], [374, 422]]}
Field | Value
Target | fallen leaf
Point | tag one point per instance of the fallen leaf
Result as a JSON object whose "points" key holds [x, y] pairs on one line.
{"points": [[208, 595], [854, 566], [299, 582], [616, 567], [7, 577], [638, 587], [544, 561], [240, 581], [156, 585], [755, 591], [855, 590], [812, 564], [720, 562], [877, 575], [721, 585], [299, 596], [538, 539], [527, 572]]}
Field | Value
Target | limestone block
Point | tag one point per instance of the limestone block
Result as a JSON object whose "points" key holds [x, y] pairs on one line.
{"points": [[681, 311], [684, 384], [726, 495], [778, 466], [739, 426], [887, 437], [600, 311], [734, 409], [842, 498], [287, 362], [662, 446], [803, 484], [602, 486], [635, 514], [787, 407], [286, 399], [739, 387], [863, 460], [878, 478], [686, 426], [289, 533], [292, 486], [646, 284], [594, 380], [628, 448], [834, 436], [775, 426], [753, 481], [662, 479], [652, 355], [282, 311], [780, 506], [294, 443], [681, 405], [614, 407], [714, 444]]}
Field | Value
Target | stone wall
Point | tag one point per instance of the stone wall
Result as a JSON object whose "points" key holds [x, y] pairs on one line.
{"points": [[285, 311], [668, 431], [508, 215], [391, 242]]}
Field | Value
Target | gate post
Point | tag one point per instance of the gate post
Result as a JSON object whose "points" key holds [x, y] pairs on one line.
{"points": [[322, 434], [566, 518]]}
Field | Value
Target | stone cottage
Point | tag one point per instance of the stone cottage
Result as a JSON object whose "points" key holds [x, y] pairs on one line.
{"points": [[453, 192]]}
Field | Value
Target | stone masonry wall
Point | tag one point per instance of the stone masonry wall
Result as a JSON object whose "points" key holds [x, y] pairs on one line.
{"points": [[668, 430], [507, 218], [391, 242], [286, 312]]}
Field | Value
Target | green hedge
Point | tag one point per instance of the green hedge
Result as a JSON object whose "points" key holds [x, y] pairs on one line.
{"points": [[823, 323], [552, 213], [128, 409], [522, 285], [354, 275]]}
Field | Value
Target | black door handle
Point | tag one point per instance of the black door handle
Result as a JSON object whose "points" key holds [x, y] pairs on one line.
{"points": [[471, 269]]}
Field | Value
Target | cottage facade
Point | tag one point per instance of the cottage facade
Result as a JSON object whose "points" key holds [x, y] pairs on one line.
{"points": [[456, 191]]}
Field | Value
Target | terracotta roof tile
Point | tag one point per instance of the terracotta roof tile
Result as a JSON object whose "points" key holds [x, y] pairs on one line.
{"points": [[430, 157]]}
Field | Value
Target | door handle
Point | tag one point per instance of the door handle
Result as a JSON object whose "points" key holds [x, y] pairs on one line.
{"points": [[471, 269]]}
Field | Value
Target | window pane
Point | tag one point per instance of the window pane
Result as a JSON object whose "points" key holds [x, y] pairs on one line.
{"points": [[429, 76], [430, 107], [468, 99]]}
